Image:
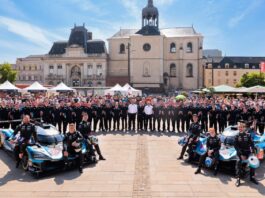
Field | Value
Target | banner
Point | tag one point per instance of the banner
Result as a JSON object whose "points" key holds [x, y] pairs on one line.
{"points": [[262, 66]]}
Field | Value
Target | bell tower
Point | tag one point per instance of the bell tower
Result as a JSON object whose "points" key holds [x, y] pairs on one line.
{"points": [[150, 15]]}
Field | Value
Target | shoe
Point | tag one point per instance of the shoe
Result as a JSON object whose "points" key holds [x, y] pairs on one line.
{"points": [[215, 172], [180, 158], [254, 181], [81, 170], [101, 158], [238, 182], [197, 171], [17, 164]]}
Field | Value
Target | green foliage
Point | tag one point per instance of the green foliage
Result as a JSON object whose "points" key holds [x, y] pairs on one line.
{"points": [[184, 93], [252, 79], [7, 73]]}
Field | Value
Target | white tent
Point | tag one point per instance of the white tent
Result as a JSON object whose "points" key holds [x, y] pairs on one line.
{"points": [[7, 86], [131, 91], [36, 87], [61, 88], [117, 89]]}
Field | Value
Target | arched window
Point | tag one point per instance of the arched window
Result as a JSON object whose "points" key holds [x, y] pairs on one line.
{"points": [[172, 48], [189, 47], [189, 70], [173, 70], [122, 49]]}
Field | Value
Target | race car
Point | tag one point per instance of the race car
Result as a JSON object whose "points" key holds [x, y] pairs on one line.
{"points": [[47, 154], [228, 137], [41, 157]]}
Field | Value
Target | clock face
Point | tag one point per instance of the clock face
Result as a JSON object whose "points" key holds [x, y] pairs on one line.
{"points": [[147, 47]]}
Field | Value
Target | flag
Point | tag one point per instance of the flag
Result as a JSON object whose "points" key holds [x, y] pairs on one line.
{"points": [[262, 66]]}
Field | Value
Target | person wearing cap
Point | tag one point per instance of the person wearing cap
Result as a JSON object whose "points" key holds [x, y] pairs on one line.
{"points": [[195, 131], [244, 147], [213, 145]]}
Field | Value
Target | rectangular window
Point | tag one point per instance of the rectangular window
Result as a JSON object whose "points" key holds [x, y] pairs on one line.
{"points": [[226, 73], [246, 66], [60, 70], [235, 73], [51, 69], [99, 70], [89, 70], [60, 67]]}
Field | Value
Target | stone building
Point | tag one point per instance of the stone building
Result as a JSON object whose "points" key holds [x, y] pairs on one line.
{"points": [[155, 58], [228, 70], [78, 62]]}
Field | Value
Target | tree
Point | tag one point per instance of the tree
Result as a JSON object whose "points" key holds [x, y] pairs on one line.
{"points": [[252, 79], [7, 73]]}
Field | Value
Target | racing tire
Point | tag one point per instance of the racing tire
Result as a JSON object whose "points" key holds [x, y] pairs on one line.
{"points": [[1, 144], [25, 162]]}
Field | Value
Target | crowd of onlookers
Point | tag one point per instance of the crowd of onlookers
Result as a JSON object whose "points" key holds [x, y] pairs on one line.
{"points": [[157, 113]]}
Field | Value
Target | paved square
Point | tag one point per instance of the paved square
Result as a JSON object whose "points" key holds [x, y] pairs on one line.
{"points": [[142, 165]]}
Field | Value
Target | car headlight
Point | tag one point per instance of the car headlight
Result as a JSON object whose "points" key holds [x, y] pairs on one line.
{"points": [[38, 155]]}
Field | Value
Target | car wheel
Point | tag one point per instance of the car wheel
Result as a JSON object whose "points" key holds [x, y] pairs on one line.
{"points": [[25, 162]]}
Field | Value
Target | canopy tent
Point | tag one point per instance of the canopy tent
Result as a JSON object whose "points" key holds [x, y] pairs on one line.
{"points": [[62, 88], [7, 86], [255, 89], [36, 87], [223, 89], [117, 89], [131, 91]]}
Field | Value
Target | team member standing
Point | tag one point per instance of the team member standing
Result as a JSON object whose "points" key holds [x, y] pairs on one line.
{"points": [[132, 111], [116, 117], [124, 114], [141, 116], [148, 111]]}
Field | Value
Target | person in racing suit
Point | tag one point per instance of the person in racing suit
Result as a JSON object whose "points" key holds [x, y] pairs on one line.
{"points": [[27, 130], [244, 147], [72, 146], [213, 145], [85, 129], [195, 131]]}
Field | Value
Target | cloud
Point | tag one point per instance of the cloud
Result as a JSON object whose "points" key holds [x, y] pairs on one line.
{"points": [[9, 7], [32, 33], [132, 7], [88, 5], [243, 14], [163, 2]]}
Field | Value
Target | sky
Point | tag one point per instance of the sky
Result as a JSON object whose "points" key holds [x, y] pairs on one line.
{"points": [[29, 27]]}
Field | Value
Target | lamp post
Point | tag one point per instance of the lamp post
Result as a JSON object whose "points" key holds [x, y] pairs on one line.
{"points": [[129, 62], [212, 72]]}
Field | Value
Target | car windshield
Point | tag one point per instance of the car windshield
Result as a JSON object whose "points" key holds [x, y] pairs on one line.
{"points": [[50, 139], [228, 140]]}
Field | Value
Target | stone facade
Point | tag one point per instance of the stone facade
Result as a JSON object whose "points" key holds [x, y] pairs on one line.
{"points": [[78, 62], [156, 58], [229, 70]]}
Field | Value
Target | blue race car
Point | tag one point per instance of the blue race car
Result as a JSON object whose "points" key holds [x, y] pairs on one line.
{"points": [[45, 156]]}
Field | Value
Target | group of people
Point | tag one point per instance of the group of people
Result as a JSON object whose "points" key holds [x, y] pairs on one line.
{"points": [[71, 143], [83, 115], [139, 113], [243, 145]]}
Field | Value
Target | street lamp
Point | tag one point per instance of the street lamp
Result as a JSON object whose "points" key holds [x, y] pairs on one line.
{"points": [[129, 62]]}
